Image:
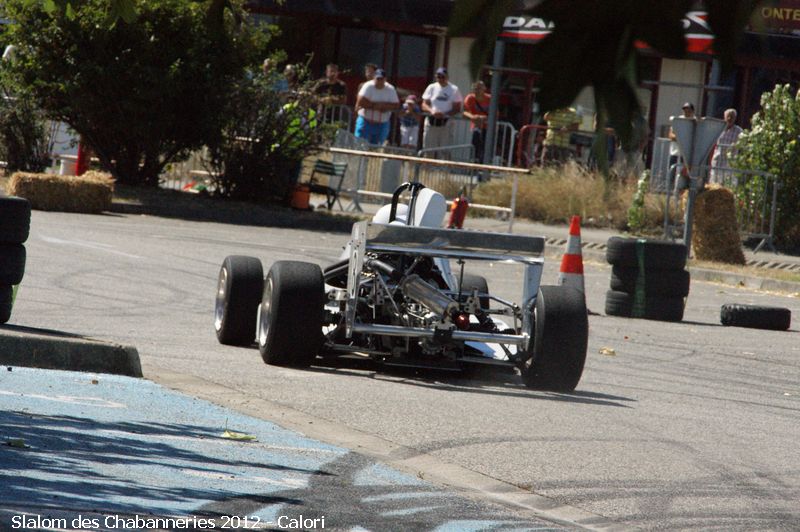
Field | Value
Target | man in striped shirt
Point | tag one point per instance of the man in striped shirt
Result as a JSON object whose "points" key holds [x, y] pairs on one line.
{"points": [[725, 149]]}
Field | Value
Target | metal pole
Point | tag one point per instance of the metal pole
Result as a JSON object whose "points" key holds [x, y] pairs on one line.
{"points": [[514, 188], [687, 221], [499, 55]]}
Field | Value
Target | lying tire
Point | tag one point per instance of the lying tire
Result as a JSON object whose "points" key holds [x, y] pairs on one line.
{"points": [[476, 282], [664, 308], [560, 339], [291, 313], [239, 288], [12, 263], [656, 254], [756, 317], [662, 283], [15, 219], [6, 302]]}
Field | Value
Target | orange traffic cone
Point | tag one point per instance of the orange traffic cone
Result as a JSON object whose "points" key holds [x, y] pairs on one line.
{"points": [[571, 273]]}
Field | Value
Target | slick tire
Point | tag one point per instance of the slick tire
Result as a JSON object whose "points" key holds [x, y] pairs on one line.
{"points": [[657, 254], [756, 317], [655, 308], [659, 283], [12, 263], [560, 340], [476, 282], [15, 219], [239, 287], [291, 314]]}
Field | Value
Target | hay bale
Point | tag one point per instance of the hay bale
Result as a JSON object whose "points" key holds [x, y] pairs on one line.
{"points": [[715, 235], [88, 193]]}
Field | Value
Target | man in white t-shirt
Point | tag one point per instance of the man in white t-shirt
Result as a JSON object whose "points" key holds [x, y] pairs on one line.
{"points": [[441, 100], [376, 101]]}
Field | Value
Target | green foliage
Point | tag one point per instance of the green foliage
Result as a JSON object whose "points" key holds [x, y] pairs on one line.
{"points": [[594, 44], [259, 151], [141, 94], [637, 215], [771, 145], [23, 138]]}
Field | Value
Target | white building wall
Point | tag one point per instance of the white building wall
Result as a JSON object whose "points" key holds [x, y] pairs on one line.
{"points": [[671, 98], [458, 64]]}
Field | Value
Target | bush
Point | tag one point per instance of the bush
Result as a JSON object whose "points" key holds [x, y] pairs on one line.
{"points": [[261, 146], [23, 139], [141, 94], [771, 145], [553, 195]]}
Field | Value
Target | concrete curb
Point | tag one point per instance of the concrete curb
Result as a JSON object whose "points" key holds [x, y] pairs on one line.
{"points": [[37, 348]]}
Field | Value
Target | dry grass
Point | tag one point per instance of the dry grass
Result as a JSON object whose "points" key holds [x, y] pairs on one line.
{"points": [[747, 271], [553, 195]]}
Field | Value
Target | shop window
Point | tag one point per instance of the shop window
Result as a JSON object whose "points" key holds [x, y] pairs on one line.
{"points": [[358, 47]]}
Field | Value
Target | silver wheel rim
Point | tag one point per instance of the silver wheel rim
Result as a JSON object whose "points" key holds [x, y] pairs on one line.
{"points": [[264, 314], [219, 303]]}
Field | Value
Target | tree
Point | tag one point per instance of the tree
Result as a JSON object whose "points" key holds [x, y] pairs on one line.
{"points": [[771, 145], [594, 44], [267, 133], [141, 94]]}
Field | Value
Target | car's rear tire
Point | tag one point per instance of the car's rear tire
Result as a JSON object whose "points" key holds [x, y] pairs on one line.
{"points": [[291, 314], [560, 340], [756, 317], [239, 288]]}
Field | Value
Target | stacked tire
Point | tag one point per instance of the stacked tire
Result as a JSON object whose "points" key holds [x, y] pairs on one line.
{"points": [[15, 223], [648, 279]]}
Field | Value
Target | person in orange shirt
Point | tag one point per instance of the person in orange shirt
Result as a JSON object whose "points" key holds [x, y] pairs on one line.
{"points": [[476, 108]]}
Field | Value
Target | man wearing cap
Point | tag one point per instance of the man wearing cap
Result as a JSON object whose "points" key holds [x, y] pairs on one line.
{"points": [[441, 100], [409, 123], [376, 101], [675, 152]]}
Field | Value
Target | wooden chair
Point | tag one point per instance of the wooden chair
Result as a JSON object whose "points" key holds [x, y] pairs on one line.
{"points": [[335, 172]]}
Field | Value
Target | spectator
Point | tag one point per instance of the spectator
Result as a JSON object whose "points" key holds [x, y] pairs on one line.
{"points": [[289, 82], [725, 148], [409, 123], [476, 108], [442, 100], [369, 74], [376, 101], [675, 152], [330, 89], [560, 125]]}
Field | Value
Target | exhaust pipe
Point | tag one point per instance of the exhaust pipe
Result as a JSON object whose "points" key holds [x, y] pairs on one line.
{"points": [[415, 288]]}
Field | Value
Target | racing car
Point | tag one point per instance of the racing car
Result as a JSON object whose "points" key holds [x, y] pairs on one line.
{"points": [[399, 294]]}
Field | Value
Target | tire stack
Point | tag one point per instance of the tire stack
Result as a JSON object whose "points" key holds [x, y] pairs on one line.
{"points": [[648, 279], [15, 223]]}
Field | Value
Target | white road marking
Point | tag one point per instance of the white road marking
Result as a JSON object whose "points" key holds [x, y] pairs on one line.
{"points": [[90, 245]]}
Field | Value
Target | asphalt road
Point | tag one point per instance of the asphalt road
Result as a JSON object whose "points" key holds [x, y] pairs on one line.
{"points": [[687, 425]]}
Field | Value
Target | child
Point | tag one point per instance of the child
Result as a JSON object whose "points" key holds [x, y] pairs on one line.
{"points": [[409, 123]]}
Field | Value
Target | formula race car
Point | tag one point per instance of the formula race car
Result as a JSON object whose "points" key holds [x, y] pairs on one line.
{"points": [[399, 295]]}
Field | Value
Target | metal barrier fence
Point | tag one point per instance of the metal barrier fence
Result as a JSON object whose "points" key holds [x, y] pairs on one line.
{"points": [[756, 200], [341, 115], [416, 168]]}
